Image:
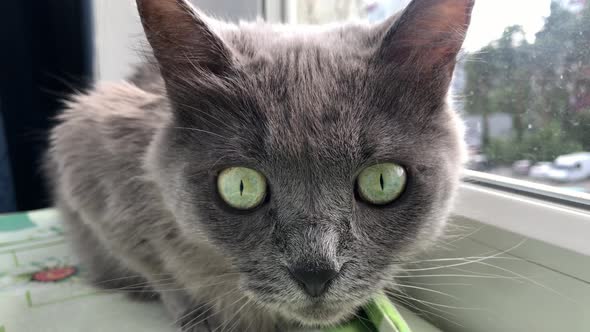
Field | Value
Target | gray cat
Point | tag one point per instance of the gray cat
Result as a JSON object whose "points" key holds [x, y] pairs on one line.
{"points": [[260, 177]]}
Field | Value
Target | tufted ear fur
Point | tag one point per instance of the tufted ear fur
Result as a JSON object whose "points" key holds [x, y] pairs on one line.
{"points": [[427, 36], [181, 39], [198, 67]]}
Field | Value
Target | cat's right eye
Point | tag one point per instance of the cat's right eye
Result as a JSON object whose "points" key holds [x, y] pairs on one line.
{"points": [[242, 188], [381, 184]]}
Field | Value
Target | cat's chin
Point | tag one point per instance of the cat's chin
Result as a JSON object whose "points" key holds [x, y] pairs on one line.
{"points": [[316, 316]]}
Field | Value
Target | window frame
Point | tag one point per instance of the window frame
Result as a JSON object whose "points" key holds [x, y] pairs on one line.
{"points": [[530, 189], [551, 215]]}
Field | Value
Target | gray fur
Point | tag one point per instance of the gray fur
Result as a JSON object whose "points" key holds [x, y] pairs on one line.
{"points": [[133, 164]]}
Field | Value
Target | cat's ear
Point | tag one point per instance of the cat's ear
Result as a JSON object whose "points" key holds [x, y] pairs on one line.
{"points": [[181, 39], [427, 37]]}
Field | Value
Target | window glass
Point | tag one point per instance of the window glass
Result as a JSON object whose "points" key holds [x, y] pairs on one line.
{"points": [[523, 83]]}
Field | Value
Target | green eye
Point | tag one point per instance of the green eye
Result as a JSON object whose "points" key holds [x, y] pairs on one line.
{"points": [[241, 188], [382, 183]]}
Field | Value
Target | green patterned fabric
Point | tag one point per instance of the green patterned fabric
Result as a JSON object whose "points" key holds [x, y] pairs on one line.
{"points": [[41, 289]]}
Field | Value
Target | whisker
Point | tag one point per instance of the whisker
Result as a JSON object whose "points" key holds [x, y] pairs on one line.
{"points": [[513, 278], [171, 280], [201, 131], [164, 282], [532, 281], [207, 303], [249, 324], [189, 327], [246, 314], [429, 290], [130, 277], [362, 319], [434, 303], [235, 316], [427, 312], [466, 261], [461, 258], [478, 258], [437, 306], [438, 284], [202, 320], [464, 236], [451, 275]]}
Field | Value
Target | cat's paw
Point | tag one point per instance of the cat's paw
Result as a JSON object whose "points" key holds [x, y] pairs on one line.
{"points": [[143, 294], [136, 288]]}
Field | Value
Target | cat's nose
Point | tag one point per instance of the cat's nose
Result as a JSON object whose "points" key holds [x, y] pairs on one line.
{"points": [[313, 280]]}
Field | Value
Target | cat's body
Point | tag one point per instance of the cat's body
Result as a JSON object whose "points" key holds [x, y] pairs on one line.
{"points": [[118, 223], [132, 163]]}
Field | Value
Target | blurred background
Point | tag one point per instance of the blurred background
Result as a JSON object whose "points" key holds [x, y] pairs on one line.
{"points": [[522, 85]]}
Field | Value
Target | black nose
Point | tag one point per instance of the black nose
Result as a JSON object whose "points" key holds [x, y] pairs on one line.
{"points": [[313, 280]]}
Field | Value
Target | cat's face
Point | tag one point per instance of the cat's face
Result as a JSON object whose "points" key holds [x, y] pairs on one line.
{"points": [[309, 116]]}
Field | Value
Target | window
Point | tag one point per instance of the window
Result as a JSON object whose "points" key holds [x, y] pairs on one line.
{"points": [[523, 84]]}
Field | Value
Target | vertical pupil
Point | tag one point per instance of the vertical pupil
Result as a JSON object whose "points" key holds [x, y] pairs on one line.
{"points": [[241, 187], [381, 181]]}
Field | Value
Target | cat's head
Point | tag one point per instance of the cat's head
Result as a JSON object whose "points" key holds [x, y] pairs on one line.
{"points": [[316, 160]]}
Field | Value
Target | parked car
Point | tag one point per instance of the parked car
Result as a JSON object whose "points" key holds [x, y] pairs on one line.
{"points": [[571, 167], [522, 167], [540, 170], [478, 162]]}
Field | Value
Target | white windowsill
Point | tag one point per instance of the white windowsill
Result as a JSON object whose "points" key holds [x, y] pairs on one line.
{"points": [[557, 224]]}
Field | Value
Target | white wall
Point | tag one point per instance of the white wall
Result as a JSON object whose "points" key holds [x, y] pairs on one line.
{"points": [[119, 36], [118, 33]]}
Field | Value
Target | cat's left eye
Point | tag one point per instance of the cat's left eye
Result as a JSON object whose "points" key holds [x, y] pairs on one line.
{"points": [[241, 188], [381, 184]]}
